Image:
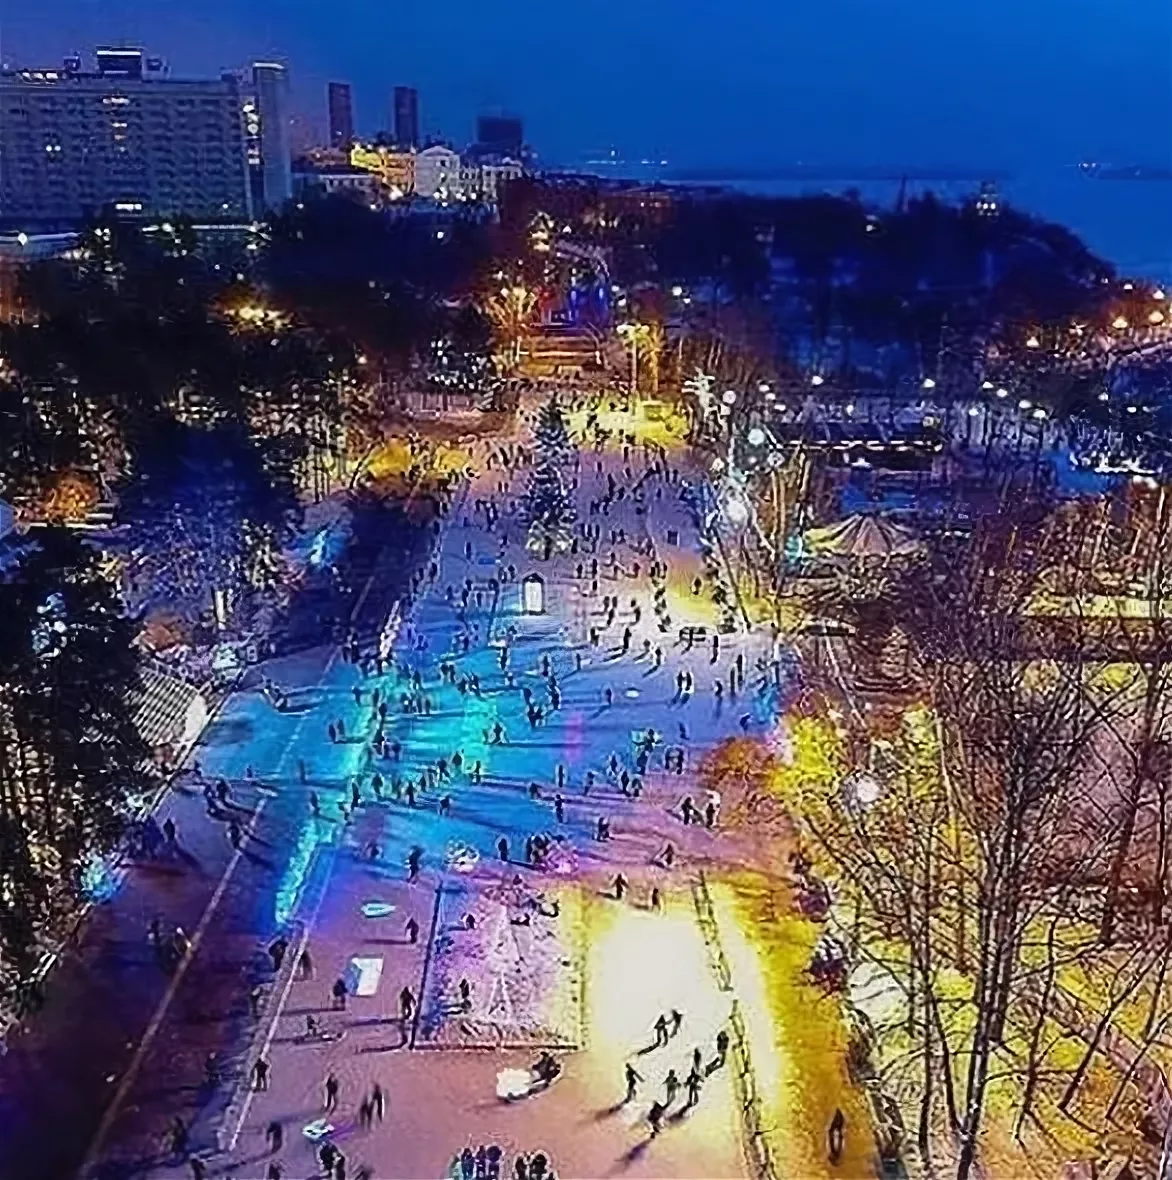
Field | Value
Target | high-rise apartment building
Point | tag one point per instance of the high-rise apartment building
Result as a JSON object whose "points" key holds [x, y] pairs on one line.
{"points": [[270, 83], [500, 135], [73, 143], [406, 117], [341, 104]]}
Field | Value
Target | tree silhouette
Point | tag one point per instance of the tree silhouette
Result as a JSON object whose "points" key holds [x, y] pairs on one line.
{"points": [[71, 759]]}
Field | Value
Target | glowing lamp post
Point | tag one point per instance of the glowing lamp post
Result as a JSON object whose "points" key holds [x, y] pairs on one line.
{"points": [[533, 594]]}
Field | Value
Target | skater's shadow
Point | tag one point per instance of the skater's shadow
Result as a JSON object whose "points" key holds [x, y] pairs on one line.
{"points": [[632, 1156], [607, 1112], [388, 1048]]}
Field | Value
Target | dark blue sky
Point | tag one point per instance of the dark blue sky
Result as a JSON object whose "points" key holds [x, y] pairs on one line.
{"points": [[985, 84]]}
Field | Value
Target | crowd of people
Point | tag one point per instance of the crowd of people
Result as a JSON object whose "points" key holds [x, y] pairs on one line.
{"points": [[393, 694]]}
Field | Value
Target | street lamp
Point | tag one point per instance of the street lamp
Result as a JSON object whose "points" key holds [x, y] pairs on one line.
{"points": [[817, 379], [756, 436], [928, 383]]}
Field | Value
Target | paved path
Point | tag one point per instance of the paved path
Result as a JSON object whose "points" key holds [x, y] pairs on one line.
{"points": [[635, 963]]}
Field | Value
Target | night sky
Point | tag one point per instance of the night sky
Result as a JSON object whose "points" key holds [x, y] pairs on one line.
{"points": [[899, 83]]}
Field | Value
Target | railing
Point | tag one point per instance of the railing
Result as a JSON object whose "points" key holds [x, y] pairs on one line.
{"points": [[744, 1076]]}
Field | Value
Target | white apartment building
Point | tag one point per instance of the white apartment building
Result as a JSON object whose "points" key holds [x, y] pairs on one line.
{"points": [[73, 143], [438, 173]]}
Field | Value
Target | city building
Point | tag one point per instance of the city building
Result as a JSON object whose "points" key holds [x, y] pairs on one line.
{"points": [[494, 175], [337, 180], [341, 107], [438, 173], [394, 169], [124, 137], [270, 83], [250, 117], [499, 135], [406, 117]]}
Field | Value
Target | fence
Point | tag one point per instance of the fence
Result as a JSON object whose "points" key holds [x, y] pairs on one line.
{"points": [[744, 1077]]}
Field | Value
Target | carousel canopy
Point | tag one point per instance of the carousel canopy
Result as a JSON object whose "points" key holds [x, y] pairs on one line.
{"points": [[860, 537]]}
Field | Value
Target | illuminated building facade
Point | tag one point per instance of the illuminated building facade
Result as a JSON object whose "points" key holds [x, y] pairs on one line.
{"points": [[124, 137], [395, 169], [270, 83]]}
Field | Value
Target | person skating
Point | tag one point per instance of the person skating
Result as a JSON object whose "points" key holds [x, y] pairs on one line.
{"points": [[465, 990], [277, 949], [378, 1101], [260, 1074], [721, 1047], [559, 809], [655, 1117], [331, 1090], [273, 1172], [633, 1079], [835, 1135], [677, 1019], [694, 1082], [656, 899], [502, 849], [199, 1170], [178, 1136], [275, 1136], [413, 862], [412, 931], [406, 1004], [671, 1085], [620, 886], [661, 1036]]}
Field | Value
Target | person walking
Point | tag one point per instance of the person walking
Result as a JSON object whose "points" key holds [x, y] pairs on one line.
{"points": [[406, 1004], [412, 931], [275, 1136], [835, 1135], [677, 1019], [655, 1117], [633, 1079], [721, 1047], [331, 1087], [260, 1074], [661, 1036], [378, 1101], [305, 965], [339, 991], [671, 1085], [620, 886]]}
